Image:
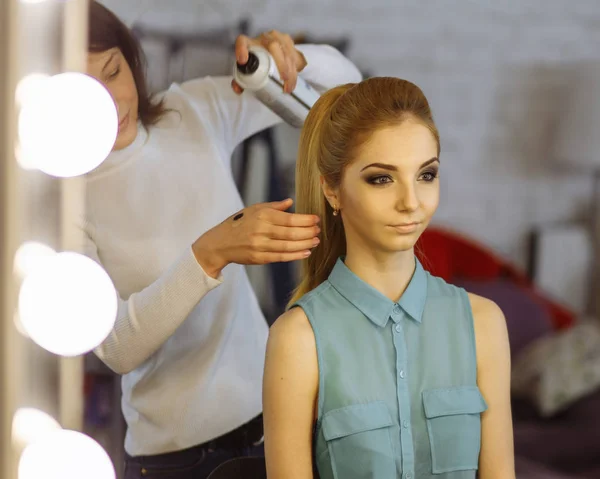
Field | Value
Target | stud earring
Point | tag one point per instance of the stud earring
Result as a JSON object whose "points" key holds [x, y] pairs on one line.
{"points": [[335, 211]]}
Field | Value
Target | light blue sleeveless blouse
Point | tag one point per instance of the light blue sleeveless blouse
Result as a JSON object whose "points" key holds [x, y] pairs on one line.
{"points": [[398, 395]]}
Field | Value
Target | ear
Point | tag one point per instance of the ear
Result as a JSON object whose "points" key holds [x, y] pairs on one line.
{"points": [[332, 194]]}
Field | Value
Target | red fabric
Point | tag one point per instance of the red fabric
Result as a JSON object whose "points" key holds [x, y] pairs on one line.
{"points": [[452, 256]]}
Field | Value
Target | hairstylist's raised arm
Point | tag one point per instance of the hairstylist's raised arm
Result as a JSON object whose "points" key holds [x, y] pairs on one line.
{"points": [[240, 116], [323, 68], [260, 234]]}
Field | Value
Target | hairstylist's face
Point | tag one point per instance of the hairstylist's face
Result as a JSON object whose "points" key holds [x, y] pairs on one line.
{"points": [[391, 190], [111, 69]]}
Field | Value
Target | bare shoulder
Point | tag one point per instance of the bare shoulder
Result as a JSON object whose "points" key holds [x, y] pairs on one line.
{"points": [[291, 363], [292, 326], [486, 313], [291, 339], [490, 325]]}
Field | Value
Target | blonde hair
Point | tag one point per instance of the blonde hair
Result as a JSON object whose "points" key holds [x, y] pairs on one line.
{"points": [[337, 126]]}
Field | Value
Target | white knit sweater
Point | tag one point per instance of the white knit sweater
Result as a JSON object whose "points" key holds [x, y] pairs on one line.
{"points": [[190, 348]]}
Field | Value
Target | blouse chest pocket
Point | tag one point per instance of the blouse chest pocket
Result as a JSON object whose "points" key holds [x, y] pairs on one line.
{"points": [[359, 441], [454, 426]]}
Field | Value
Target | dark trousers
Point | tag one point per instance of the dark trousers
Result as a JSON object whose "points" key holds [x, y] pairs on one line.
{"points": [[199, 461], [197, 465]]}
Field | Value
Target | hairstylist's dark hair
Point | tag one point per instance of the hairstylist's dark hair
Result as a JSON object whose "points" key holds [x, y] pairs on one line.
{"points": [[106, 31]]}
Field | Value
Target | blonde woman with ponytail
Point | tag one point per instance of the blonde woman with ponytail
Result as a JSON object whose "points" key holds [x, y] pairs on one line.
{"points": [[378, 369]]}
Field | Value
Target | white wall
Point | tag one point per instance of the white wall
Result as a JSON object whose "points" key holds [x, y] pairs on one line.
{"points": [[494, 72]]}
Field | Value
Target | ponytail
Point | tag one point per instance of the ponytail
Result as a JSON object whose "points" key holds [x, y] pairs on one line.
{"points": [[310, 198]]}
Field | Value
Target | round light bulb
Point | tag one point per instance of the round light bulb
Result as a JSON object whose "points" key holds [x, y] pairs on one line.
{"points": [[68, 126], [65, 455], [30, 425], [19, 326], [31, 87], [30, 255], [68, 304], [22, 160]]}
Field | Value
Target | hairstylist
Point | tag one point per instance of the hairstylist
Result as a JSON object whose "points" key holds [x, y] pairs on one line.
{"points": [[165, 220]]}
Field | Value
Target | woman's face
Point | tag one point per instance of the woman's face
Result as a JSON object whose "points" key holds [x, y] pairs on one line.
{"points": [[389, 193], [112, 70]]}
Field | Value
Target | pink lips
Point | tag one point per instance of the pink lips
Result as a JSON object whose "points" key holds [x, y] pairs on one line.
{"points": [[406, 227]]}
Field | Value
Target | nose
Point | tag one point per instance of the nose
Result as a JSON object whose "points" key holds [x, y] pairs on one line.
{"points": [[408, 200]]}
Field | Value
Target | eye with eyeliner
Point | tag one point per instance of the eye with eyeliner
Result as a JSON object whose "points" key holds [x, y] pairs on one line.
{"points": [[430, 175], [379, 180]]}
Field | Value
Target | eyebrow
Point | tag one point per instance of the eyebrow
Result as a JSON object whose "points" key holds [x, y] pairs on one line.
{"points": [[387, 166], [112, 55]]}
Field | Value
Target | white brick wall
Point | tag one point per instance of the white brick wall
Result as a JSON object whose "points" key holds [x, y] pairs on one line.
{"points": [[494, 73]]}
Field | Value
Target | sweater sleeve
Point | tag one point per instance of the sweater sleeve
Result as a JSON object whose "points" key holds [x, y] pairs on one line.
{"points": [[149, 317], [237, 117]]}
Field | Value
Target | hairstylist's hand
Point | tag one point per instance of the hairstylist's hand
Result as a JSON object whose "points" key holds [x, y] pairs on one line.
{"points": [[281, 46], [260, 234]]}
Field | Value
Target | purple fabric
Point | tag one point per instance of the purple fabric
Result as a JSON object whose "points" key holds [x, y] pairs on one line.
{"points": [[526, 318], [569, 441], [528, 469]]}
